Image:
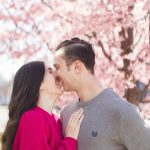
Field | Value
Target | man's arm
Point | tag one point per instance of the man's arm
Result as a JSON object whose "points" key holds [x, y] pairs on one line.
{"points": [[134, 132]]}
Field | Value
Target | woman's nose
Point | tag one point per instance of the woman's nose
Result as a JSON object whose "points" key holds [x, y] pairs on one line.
{"points": [[55, 73]]}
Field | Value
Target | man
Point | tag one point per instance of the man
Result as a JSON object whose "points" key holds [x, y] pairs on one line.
{"points": [[109, 123]]}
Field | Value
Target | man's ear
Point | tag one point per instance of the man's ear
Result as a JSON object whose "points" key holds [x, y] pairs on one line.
{"points": [[77, 66]]}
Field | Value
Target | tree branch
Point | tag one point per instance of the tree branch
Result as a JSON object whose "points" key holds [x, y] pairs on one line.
{"points": [[137, 42], [59, 15], [14, 21], [45, 3], [103, 50]]}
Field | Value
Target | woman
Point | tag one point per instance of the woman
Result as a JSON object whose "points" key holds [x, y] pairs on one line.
{"points": [[31, 124]]}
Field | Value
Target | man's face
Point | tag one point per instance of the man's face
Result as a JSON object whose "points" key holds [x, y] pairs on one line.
{"points": [[64, 72]]}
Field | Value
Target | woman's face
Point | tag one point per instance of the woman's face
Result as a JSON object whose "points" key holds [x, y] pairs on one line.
{"points": [[50, 84]]}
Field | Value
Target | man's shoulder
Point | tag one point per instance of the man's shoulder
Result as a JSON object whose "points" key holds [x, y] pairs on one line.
{"points": [[118, 102]]}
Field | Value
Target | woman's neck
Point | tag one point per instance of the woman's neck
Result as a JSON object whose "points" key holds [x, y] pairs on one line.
{"points": [[46, 101]]}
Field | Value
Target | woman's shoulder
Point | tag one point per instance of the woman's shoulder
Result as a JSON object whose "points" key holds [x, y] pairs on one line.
{"points": [[31, 115], [32, 122]]}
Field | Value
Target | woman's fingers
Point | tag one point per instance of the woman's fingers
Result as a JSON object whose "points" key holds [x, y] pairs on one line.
{"points": [[76, 116], [80, 121], [74, 123]]}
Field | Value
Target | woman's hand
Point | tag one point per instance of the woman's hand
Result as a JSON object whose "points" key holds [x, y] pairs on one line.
{"points": [[74, 123]]}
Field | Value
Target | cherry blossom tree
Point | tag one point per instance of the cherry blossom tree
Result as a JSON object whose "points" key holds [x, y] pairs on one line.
{"points": [[119, 31]]}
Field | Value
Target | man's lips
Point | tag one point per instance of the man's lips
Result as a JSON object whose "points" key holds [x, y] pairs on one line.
{"points": [[59, 82]]}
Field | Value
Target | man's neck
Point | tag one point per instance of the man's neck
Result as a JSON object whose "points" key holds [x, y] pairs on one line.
{"points": [[89, 89]]}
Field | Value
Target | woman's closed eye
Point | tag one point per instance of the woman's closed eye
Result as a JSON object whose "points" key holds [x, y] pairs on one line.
{"points": [[50, 70]]}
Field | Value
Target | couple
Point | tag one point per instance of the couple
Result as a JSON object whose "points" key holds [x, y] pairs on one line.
{"points": [[98, 120]]}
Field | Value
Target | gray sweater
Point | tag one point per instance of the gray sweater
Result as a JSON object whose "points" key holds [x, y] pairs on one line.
{"points": [[110, 123]]}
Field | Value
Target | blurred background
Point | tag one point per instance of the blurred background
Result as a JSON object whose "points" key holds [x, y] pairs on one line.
{"points": [[119, 31]]}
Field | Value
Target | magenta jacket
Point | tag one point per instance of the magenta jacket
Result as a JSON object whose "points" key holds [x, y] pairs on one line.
{"points": [[38, 130]]}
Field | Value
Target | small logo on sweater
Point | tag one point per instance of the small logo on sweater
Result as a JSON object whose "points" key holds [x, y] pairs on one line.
{"points": [[94, 133]]}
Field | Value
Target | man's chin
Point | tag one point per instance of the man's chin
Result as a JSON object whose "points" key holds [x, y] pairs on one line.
{"points": [[68, 90], [60, 93]]}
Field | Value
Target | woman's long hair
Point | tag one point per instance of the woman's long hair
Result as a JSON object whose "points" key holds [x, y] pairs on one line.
{"points": [[24, 96]]}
